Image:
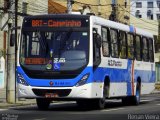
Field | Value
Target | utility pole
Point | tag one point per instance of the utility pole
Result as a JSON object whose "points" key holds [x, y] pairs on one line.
{"points": [[158, 40], [12, 55], [69, 6], [15, 39], [99, 8], [113, 15]]}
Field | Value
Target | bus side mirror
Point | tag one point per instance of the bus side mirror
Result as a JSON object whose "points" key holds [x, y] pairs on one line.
{"points": [[97, 39], [12, 40]]}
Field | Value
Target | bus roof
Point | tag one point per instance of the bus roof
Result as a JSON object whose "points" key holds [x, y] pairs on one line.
{"points": [[57, 15], [120, 26]]}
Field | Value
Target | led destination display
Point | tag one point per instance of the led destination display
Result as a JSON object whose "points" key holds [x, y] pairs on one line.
{"points": [[55, 23]]}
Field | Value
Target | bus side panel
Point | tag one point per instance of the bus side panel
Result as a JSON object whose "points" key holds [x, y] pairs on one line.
{"points": [[123, 80], [145, 72]]}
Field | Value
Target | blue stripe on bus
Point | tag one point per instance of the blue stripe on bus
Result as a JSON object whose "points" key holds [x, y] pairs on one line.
{"points": [[57, 83], [115, 75], [131, 29], [123, 75]]}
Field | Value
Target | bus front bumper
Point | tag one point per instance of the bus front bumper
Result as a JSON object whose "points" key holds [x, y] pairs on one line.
{"points": [[90, 90]]}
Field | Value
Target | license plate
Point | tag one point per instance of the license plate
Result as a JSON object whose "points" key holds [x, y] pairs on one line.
{"points": [[51, 95]]}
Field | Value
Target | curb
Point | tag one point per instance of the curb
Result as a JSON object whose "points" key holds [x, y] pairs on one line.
{"points": [[14, 105], [156, 92]]}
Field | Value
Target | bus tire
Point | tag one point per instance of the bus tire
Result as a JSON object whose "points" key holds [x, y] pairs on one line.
{"points": [[100, 103], [133, 100], [136, 98], [42, 104]]}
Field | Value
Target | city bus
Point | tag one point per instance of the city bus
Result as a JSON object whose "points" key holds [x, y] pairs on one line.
{"points": [[83, 58]]}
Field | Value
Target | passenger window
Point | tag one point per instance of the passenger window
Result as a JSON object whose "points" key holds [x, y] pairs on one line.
{"points": [[138, 48], [114, 43], [96, 49], [105, 42], [130, 41], [145, 49], [123, 44], [151, 51]]}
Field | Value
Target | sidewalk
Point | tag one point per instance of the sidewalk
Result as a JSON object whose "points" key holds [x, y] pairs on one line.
{"points": [[4, 104]]}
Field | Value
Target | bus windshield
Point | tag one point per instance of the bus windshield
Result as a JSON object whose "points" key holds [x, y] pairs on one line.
{"points": [[54, 50]]}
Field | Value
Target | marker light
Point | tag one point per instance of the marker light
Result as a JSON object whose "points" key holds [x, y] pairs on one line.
{"points": [[83, 80], [21, 80]]}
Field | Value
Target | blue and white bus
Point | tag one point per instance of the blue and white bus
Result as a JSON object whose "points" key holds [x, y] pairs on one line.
{"points": [[83, 58]]}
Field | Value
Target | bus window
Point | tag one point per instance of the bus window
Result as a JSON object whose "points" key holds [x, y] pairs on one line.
{"points": [[145, 49], [130, 42], [105, 42], [96, 50], [114, 43], [123, 44], [138, 48], [151, 52]]}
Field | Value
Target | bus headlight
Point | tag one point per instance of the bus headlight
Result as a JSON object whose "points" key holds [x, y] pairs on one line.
{"points": [[83, 80], [21, 80]]}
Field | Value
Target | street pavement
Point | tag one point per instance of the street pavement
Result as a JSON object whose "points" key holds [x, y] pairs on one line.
{"points": [[149, 109]]}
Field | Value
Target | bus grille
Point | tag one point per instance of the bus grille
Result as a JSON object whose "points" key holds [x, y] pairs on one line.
{"points": [[60, 92]]}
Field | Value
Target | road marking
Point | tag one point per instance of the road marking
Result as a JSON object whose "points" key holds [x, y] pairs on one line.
{"points": [[3, 109], [112, 109], [40, 119], [158, 104], [146, 100], [58, 103], [113, 100]]}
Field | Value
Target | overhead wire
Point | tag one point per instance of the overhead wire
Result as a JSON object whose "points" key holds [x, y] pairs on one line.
{"points": [[90, 4]]}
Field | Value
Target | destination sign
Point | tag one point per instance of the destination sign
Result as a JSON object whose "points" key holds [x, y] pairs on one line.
{"points": [[55, 23]]}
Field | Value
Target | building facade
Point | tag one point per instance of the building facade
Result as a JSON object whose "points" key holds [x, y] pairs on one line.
{"points": [[7, 20], [145, 14], [147, 9], [103, 8]]}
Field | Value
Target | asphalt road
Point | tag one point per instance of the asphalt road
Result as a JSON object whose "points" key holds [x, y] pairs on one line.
{"points": [[149, 109]]}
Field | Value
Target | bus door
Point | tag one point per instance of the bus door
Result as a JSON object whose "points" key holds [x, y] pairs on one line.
{"points": [[96, 46]]}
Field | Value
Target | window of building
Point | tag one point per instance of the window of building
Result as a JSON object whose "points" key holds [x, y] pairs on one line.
{"points": [[105, 42], [158, 4], [130, 42], [158, 16], [114, 43], [151, 52], [137, 14], [138, 48], [145, 49], [150, 15], [150, 4], [123, 44], [138, 4]]}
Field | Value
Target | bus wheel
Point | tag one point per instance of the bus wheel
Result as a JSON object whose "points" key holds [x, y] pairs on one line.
{"points": [[132, 100], [100, 103], [42, 103], [136, 98]]}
